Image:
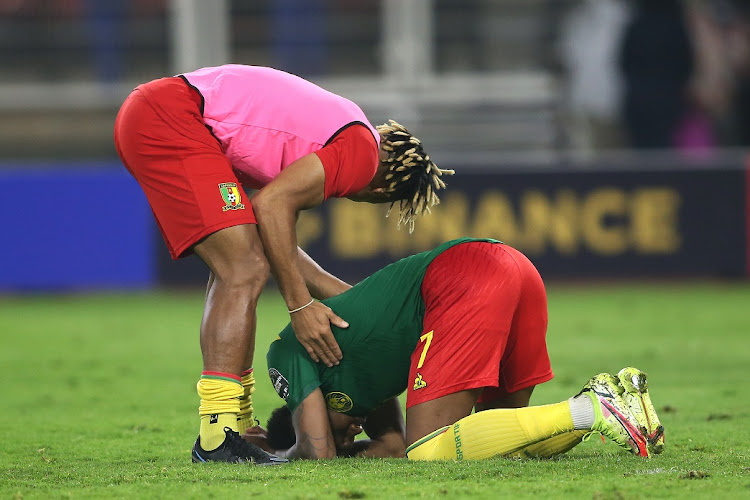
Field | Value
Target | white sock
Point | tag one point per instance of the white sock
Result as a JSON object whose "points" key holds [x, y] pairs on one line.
{"points": [[582, 412]]}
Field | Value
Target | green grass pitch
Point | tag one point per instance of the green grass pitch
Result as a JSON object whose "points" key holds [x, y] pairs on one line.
{"points": [[98, 401]]}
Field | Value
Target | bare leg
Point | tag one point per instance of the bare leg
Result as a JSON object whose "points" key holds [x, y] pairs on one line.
{"points": [[239, 271], [248, 363], [518, 399], [430, 416]]}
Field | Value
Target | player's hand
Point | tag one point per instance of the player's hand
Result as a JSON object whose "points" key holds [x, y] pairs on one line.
{"points": [[312, 325], [256, 430], [258, 436]]}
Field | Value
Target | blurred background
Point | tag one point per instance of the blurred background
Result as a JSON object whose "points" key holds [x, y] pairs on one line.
{"points": [[604, 138]]}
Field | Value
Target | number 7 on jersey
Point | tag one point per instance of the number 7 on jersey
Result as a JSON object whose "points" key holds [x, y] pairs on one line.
{"points": [[428, 337]]}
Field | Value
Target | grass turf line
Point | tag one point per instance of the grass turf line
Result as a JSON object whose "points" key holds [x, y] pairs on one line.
{"points": [[99, 401]]}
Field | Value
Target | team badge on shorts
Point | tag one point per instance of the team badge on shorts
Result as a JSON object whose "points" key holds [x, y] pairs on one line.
{"points": [[339, 402], [231, 196]]}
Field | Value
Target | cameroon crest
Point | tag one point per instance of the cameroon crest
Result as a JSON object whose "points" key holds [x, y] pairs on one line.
{"points": [[231, 196], [339, 402]]}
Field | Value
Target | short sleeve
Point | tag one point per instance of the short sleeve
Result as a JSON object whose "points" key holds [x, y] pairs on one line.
{"points": [[293, 374], [349, 160]]}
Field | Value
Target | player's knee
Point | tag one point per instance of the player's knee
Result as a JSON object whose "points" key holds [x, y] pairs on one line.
{"points": [[235, 257], [245, 274]]}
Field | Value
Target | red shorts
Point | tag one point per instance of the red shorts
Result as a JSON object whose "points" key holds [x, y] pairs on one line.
{"points": [[485, 325], [189, 183]]}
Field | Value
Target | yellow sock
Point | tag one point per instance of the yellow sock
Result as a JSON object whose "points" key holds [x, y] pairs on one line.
{"points": [[220, 403], [246, 418], [550, 447], [490, 433]]}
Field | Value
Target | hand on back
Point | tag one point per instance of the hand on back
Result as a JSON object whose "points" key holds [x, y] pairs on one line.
{"points": [[312, 326]]}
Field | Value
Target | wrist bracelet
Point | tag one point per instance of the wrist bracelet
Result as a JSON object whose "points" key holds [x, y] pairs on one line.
{"points": [[300, 308]]}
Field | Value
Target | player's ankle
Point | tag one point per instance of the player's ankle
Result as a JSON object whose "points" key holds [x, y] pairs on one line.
{"points": [[582, 412], [212, 432]]}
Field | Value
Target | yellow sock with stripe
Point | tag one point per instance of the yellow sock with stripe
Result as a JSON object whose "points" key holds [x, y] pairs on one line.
{"points": [[246, 418], [582, 412], [491, 433], [220, 403]]}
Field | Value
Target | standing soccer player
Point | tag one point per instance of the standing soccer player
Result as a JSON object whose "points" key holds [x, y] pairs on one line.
{"points": [[192, 142]]}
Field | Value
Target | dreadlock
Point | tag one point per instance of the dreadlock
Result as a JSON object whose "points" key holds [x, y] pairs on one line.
{"points": [[412, 177]]}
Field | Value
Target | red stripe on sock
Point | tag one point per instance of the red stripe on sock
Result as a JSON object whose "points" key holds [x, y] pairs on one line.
{"points": [[221, 374], [247, 372]]}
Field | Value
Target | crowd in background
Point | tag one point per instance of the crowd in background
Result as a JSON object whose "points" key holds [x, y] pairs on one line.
{"points": [[641, 74], [658, 73]]}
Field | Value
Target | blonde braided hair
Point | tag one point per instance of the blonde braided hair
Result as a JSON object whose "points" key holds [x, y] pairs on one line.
{"points": [[412, 176]]}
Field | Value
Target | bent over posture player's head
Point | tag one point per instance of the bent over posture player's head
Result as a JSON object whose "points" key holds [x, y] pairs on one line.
{"points": [[406, 175], [459, 328]]}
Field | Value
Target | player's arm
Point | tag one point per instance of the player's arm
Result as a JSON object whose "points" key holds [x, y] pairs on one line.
{"points": [[299, 186], [314, 436], [387, 432], [320, 282]]}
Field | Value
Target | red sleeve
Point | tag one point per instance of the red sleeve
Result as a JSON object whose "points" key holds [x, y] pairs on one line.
{"points": [[349, 160]]}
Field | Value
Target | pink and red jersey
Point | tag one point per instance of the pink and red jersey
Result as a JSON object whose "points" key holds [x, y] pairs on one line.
{"points": [[190, 140], [265, 119]]}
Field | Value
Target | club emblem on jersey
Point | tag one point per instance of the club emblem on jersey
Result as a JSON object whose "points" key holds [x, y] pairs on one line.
{"points": [[231, 196], [419, 382], [339, 402], [279, 383]]}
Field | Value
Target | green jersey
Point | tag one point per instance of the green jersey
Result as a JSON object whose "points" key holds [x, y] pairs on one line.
{"points": [[385, 313]]}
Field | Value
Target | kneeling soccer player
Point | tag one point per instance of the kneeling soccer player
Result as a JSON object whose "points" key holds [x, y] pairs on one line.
{"points": [[461, 327]]}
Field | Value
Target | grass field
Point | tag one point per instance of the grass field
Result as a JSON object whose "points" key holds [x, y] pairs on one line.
{"points": [[99, 401]]}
